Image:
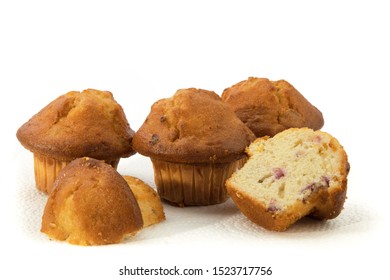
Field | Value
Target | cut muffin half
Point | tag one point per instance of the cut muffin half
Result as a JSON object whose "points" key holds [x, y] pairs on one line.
{"points": [[298, 172]]}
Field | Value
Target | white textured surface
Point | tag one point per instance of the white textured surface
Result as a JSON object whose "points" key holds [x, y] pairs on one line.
{"points": [[335, 53], [190, 223], [201, 236], [221, 223]]}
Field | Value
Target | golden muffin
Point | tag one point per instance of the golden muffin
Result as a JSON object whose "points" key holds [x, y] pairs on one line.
{"points": [[195, 142], [298, 172], [91, 204], [148, 200], [77, 124], [268, 107]]}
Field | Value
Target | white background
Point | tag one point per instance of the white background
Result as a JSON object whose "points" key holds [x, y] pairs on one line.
{"points": [[336, 53]]}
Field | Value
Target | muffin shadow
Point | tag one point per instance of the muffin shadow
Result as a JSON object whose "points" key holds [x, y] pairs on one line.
{"points": [[182, 221], [351, 219]]}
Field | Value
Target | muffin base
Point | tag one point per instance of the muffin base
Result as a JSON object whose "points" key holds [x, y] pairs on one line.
{"points": [[46, 170], [193, 184]]}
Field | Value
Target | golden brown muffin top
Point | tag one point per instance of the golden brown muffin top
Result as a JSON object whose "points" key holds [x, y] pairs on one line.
{"points": [[193, 126], [268, 107], [90, 204], [88, 123]]}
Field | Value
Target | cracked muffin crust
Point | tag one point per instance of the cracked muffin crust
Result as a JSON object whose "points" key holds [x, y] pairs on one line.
{"points": [[299, 172], [268, 107], [193, 126], [195, 142], [88, 123], [91, 204]]}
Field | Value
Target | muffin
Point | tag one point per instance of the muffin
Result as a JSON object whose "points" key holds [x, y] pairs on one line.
{"points": [[88, 123], [269, 107], [297, 173], [195, 142], [148, 200], [91, 204]]}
